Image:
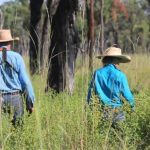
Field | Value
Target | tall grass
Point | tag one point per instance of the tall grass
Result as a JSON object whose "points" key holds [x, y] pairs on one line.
{"points": [[63, 122]]}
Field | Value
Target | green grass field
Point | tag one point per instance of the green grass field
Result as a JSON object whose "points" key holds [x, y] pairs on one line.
{"points": [[63, 122]]}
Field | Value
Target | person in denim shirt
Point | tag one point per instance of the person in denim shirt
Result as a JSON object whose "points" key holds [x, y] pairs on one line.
{"points": [[109, 83], [14, 80]]}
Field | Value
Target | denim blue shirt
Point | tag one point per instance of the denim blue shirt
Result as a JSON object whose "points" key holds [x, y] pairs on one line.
{"points": [[15, 78], [109, 83]]}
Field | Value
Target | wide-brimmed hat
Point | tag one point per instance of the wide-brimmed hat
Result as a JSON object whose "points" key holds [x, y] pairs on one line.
{"points": [[115, 52], [5, 36]]}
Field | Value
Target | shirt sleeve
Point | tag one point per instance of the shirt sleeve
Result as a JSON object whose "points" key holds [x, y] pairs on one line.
{"points": [[126, 92], [90, 88], [25, 81]]}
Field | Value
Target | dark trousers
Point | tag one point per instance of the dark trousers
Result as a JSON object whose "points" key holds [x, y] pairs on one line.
{"points": [[115, 115], [12, 104]]}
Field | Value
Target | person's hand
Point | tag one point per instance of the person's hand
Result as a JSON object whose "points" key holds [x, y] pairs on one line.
{"points": [[29, 107], [30, 110], [133, 109]]}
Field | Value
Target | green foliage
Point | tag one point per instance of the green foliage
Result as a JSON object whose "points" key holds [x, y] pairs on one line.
{"points": [[66, 122], [16, 17]]}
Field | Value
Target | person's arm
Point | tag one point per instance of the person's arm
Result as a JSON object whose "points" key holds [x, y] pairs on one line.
{"points": [[26, 85], [126, 92], [90, 89]]}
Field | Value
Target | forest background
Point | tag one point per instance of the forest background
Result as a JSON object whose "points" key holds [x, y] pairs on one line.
{"points": [[59, 40]]}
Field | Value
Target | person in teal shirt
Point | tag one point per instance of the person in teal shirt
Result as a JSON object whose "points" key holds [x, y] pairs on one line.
{"points": [[14, 80], [109, 82]]}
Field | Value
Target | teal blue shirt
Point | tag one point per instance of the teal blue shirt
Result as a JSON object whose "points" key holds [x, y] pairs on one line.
{"points": [[109, 83], [15, 78]]}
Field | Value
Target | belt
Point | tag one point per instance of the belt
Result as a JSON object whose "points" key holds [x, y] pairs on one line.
{"points": [[13, 93], [115, 110]]}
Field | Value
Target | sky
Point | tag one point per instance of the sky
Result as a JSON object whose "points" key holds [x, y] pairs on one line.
{"points": [[2, 1]]}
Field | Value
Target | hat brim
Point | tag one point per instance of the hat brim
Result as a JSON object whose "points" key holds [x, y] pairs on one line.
{"points": [[123, 58], [9, 40]]}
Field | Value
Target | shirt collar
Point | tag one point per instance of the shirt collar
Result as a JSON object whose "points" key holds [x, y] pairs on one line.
{"points": [[112, 66], [1, 48]]}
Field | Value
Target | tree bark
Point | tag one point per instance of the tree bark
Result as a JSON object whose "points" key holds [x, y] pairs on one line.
{"points": [[1, 19], [44, 35], [102, 27], [63, 37], [35, 7], [90, 12]]}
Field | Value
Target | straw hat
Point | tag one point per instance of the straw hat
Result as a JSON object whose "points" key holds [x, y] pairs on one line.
{"points": [[115, 52], [5, 36]]}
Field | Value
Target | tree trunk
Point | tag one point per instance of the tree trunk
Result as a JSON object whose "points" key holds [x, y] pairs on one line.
{"points": [[72, 49], [102, 27], [115, 33], [90, 20], [35, 7], [63, 37], [131, 33], [1, 19], [44, 35]]}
